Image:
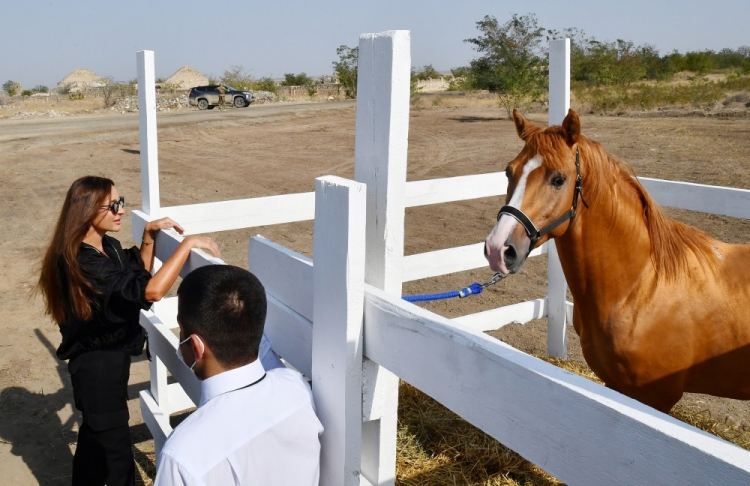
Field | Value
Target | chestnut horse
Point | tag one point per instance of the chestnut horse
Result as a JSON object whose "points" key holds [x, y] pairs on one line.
{"points": [[661, 308]]}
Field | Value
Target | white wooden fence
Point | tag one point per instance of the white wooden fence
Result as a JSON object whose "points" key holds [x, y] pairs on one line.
{"points": [[364, 335]]}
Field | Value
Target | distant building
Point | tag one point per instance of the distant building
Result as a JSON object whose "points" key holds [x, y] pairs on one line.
{"points": [[186, 77]]}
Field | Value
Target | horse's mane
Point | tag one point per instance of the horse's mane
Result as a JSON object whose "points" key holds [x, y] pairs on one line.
{"points": [[671, 241]]}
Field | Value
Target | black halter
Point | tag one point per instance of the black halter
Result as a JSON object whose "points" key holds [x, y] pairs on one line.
{"points": [[533, 233]]}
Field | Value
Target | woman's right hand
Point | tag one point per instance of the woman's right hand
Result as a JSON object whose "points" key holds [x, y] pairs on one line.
{"points": [[203, 243], [163, 279]]}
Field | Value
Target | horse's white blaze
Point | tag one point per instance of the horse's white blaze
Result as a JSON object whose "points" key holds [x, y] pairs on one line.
{"points": [[495, 242]]}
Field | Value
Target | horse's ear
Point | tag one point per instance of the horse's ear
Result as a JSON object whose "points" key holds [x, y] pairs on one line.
{"points": [[572, 128], [524, 128]]}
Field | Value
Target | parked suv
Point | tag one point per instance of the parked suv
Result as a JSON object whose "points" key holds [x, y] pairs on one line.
{"points": [[206, 97]]}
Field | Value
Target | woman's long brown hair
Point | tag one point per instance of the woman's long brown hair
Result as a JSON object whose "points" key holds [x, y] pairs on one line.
{"points": [[62, 281]]}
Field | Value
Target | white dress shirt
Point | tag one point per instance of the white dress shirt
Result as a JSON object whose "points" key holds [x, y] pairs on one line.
{"points": [[252, 427]]}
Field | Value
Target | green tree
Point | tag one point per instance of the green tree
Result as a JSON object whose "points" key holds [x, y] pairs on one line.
{"points": [[700, 62], [10, 87], [300, 79], [514, 63], [40, 89], [345, 69], [266, 84], [237, 78], [427, 72], [460, 79]]}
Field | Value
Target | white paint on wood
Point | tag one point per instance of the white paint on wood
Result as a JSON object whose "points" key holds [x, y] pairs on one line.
{"points": [[166, 309], [163, 343], [383, 95], [243, 213], [285, 274], [178, 399], [493, 319], [557, 292], [726, 201], [559, 80], [338, 294], [158, 381], [156, 419], [557, 287], [147, 134], [569, 313], [576, 430], [461, 188], [290, 335]]}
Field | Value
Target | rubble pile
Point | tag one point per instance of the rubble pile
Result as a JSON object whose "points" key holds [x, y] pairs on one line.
{"points": [[130, 104], [264, 96], [37, 114]]}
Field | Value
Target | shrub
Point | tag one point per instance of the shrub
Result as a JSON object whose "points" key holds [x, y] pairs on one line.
{"points": [[113, 91], [40, 89], [76, 96], [427, 72], [65, 89], [266, 84], [10, 87], [26, 93]]}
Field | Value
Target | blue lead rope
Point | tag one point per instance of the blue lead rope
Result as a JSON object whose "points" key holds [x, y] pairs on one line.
{"points": [[473, 289]]}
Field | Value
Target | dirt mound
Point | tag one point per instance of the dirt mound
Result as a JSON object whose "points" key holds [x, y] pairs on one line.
{"points": [[81, 79], [186, 77]]}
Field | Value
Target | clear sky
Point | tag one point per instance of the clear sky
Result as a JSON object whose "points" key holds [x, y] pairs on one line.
{"points": [[45, 40]]}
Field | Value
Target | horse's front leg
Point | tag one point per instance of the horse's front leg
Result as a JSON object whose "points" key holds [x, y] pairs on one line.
{"points": [[661, 396]]}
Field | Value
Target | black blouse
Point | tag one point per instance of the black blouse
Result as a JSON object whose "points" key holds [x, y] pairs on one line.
{"points": [[120, 279]]}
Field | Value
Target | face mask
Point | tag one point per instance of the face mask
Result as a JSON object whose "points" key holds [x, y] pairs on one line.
{"points": [[179, 351]]}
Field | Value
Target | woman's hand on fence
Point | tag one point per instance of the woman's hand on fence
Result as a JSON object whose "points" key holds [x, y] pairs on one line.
{"points": [[203, 243], [162, 223]]}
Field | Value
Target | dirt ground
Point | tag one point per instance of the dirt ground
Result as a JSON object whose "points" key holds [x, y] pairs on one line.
{"points": [[211, 156]]}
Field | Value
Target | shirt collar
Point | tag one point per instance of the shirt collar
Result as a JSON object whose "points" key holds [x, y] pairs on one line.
{"points": [[231, 380]]}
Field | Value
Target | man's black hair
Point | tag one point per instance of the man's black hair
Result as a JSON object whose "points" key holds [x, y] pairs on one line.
{"points": [[226, 305]]}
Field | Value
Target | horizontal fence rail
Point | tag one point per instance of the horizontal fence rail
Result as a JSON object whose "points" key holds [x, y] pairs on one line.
{"points": [[726, 201], [289, 208], [573, 428]]}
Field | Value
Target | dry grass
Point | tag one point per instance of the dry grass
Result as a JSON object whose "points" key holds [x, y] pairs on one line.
{"points": [[145, 463], [454, 99], [59, 104], [698, 93], [437, 447]]}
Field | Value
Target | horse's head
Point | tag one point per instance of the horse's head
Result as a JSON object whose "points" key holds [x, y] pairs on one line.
{"points": [[542, 181]]}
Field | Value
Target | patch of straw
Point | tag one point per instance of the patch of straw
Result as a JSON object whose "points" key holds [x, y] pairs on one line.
{"points": [[437, 447]]}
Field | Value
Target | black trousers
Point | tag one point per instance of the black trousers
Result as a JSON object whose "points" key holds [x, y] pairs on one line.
{"points": [[104, 452]]}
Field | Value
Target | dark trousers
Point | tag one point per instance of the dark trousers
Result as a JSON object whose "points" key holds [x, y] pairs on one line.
{"points": [[104, 452]]}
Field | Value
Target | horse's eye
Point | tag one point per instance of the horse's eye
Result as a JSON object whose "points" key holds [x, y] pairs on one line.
{"points": [[558, 180], [508, 172]]}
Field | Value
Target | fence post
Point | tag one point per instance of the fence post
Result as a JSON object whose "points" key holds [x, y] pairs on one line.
{"points": [[384, 68], [148, 140], [338, 300], [557, 287]]}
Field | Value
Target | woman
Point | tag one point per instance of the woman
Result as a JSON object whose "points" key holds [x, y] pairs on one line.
{"points": [[94, 290]]}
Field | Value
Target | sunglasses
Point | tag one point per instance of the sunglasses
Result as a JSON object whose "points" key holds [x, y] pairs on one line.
{"points": [[115, 206]]}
